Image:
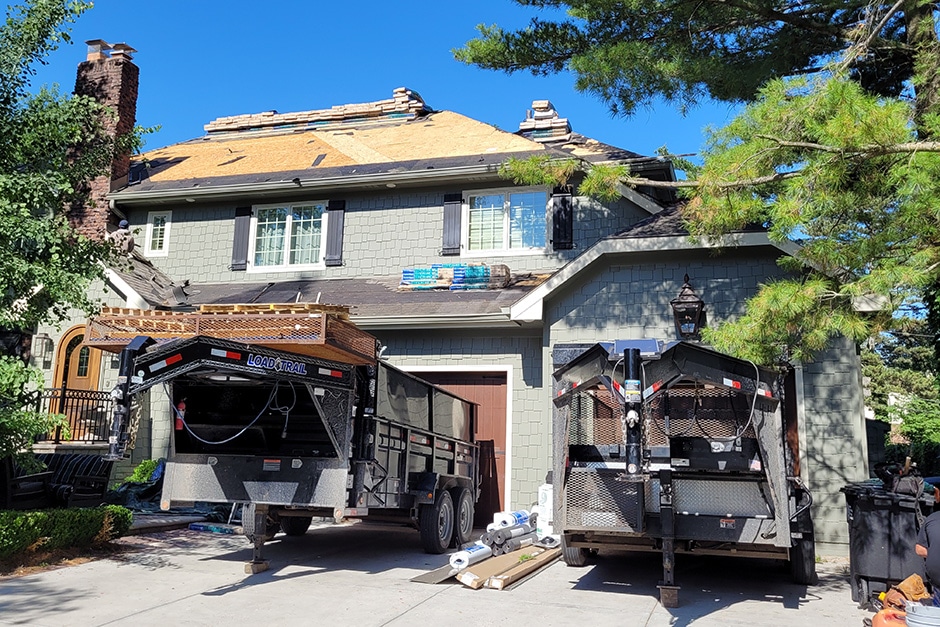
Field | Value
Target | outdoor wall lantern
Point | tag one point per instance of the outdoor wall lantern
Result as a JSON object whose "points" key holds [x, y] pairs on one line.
{"points": [[45, 346], [687, 308]]}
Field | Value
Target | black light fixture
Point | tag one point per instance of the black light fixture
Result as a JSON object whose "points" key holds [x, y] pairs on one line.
{"points": [[687, 308]]}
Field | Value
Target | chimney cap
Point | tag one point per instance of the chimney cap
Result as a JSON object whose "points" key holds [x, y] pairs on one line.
{"points": [[122, 50], [97, 49]]}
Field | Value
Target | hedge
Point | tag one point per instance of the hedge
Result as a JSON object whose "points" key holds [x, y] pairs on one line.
{"points": [[61, 528]]}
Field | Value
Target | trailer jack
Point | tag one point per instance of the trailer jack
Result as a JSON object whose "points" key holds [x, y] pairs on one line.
{"points": [[259, 524], [668, 590]]}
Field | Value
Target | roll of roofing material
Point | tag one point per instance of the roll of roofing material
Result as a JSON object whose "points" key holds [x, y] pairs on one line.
{"points": [[511, 519], [470, 555], [520, 541], [501, 535], [488, 538]]}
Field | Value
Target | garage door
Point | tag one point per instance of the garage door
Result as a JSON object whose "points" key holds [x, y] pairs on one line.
{"points": [[488, 390]]}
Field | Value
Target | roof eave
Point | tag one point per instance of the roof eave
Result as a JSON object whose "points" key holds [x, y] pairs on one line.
{"points": [[131, 196]]}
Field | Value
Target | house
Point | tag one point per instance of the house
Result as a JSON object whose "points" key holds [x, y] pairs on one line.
{"points": [[344, 205]]}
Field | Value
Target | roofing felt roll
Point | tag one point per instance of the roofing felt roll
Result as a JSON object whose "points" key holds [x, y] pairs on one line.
{"points": [[470, 555]]}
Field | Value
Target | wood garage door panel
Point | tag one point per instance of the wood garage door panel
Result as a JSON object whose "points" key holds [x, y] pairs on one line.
{"points": [[488, 390]]}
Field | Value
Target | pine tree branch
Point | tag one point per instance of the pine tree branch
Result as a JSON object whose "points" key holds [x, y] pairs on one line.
{"points": [[873, 150]]}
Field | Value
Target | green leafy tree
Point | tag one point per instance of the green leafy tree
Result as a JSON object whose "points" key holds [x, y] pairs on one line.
{"points": [[50, 146], [835, 150]]}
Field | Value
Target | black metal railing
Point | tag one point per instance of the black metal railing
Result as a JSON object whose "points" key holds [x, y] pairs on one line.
{"points": [[88, 413]]}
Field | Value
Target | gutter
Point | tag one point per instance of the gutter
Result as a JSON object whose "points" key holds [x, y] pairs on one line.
{"points": [[131, 196], [404, 323]]}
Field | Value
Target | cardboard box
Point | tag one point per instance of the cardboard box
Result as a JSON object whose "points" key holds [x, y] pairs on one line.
{"points": [[476, 575], [523, 568]]}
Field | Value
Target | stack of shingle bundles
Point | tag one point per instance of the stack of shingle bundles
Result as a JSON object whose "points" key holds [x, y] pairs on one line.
{"points": [[510, 531], [418, 278], [499, 276], [476, 277]]}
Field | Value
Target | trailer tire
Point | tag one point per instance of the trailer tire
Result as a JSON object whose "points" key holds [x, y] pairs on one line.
{"points": [[573, 555], [436, 523], [295, 525], [463, 518], [803, 562], [248, 523]]}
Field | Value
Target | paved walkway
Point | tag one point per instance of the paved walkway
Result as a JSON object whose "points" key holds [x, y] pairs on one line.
{"points": [[162, 521], [360, 574]]}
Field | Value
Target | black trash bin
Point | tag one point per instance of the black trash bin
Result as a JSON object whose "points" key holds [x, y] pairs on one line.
{"points": [[883, 529]]}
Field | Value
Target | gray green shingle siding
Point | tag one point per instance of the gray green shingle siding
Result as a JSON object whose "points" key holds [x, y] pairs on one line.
{"points": [[383, 234]]}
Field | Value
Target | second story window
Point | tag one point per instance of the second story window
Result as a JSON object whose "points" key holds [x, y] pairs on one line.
{"points": [[288, 236], [506, 221], [158, 233]]}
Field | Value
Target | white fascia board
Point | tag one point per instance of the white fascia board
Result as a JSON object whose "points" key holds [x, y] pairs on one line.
{"points": [[131, 297], [871, 303], [529, 307], [646, 204]]}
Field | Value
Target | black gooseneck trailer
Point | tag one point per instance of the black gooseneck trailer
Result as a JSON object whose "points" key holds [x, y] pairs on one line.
{"points": [[292, 436], [677, 449]]}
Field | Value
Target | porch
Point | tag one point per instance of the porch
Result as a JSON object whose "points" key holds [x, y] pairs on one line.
{"points": [[88, 413]]}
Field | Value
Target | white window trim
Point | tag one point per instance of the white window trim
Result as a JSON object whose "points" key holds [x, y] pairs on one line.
{"points": [[253, 229], [148, 250], [505, 251]]}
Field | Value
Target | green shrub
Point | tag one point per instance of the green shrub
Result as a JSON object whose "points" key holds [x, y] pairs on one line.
{"points": [[143, 471], [61, 528]]}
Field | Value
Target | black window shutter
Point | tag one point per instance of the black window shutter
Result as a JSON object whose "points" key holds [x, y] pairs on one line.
{"points": [[335, 222], [242, 233], [562, 221], [451, 245]]}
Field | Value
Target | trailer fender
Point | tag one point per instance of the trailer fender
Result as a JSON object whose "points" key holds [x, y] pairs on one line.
{"points": [[428, 484]]}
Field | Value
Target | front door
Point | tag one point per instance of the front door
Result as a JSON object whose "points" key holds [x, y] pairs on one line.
{"points": [[77, 370], [488, 390]]}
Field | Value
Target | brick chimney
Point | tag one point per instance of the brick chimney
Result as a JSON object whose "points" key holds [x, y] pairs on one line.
{"points": [[109, 76]]}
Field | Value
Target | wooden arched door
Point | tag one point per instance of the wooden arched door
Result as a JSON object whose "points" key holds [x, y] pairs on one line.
{"points": [[77, 372]]}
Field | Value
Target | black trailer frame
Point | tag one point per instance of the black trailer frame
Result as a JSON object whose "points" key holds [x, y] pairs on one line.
{"points": [[678, 450], [293, 436]]}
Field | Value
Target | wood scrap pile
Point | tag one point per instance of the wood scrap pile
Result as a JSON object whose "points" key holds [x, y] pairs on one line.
{"points": [[507, 553]]}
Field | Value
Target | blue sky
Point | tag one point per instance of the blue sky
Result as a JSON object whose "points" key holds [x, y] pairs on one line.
{"points": [[201, 59]]}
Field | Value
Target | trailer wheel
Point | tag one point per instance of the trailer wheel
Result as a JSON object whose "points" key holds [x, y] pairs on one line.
{"points": [[248, 523], [803, 562], [436, 523], [573, 555], [295, 525], [463, 525]]}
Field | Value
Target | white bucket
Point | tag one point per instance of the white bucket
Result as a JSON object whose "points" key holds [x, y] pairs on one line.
{"points": [[922, 615]]}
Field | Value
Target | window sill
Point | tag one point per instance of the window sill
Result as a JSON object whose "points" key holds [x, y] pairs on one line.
{"points": [[528, 252], [275, 269]]}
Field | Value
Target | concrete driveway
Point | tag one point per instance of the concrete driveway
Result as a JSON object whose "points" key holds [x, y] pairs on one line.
{"points": [[358, 574]]}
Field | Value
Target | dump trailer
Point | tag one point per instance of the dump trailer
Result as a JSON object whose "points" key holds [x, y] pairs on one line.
{"points": [[678, 449], [293, 436]]}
